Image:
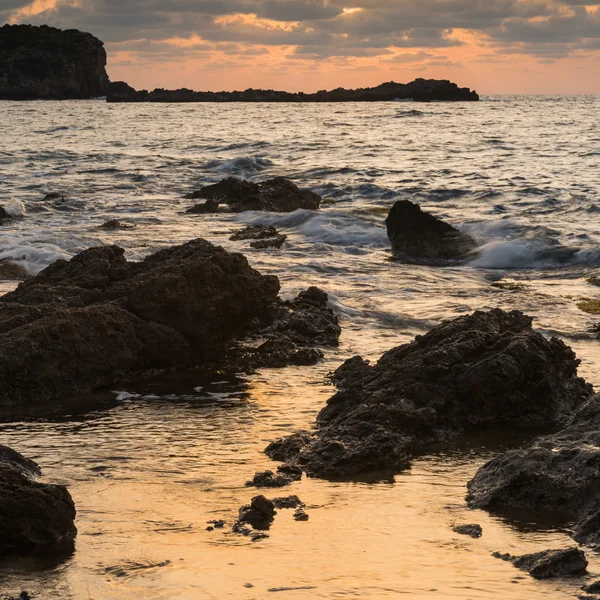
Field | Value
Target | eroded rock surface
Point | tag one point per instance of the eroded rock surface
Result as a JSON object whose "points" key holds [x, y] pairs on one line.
{"points": [[570, 562], [273, 195], [34, 516], [479, 370], [98, 319], [419, 236]]}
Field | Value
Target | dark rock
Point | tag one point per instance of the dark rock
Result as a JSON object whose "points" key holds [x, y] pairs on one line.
{"points": [[300, 515], [53, 196], [12, 271], [273, 195], [417, 235], [294, 472], [269, 479], [549, 564], [33, 516], [115, 224], [4, 216], [287, 502], [473, 531], [257, 536], [259, 513], [419, 90], [592, 588], [489, 368], [217, 524], [44, 63], [265, 237], [210, 206]]}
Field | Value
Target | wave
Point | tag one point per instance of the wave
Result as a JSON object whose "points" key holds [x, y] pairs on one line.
{"points": [[243, 166], [409, 113], [33, 257]]}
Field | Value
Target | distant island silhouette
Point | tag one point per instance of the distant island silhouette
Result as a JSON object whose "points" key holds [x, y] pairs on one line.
{"points": [[46, 63]]}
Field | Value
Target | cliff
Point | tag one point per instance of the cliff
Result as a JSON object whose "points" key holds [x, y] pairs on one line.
{"points": [[420, 90], [44, 63]]}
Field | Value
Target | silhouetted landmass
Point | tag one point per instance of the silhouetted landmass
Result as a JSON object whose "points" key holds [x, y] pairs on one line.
{"points": [[45, 63], [420, 90]]}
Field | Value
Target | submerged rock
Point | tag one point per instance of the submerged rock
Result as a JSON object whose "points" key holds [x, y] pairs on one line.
{"points": [[44, 63], [473, 530], [417, 235], [479, 370], [556, 474], [549, 564], [97, 320], [33, 516], [264, 237], [274, 195]]}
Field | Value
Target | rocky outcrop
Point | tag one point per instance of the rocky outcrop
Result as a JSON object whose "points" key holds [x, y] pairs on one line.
{"points": [[44, 63], [33, 516], [273, 195], [263, 237], [419, 236], [115, 224], [98, 320], [555, 474], [472, 530], [419, 90], [570, 562], [475, 371]]}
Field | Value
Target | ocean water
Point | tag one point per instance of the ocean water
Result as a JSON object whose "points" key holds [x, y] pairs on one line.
{"points": [[149, 467]]}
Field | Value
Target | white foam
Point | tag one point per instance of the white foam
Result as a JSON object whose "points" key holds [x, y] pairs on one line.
{"points": [[15, 208], [31, 256]]}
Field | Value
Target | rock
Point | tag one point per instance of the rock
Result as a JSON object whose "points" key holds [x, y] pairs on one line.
{"points": [[115, 224], [257, 536], [217, 524], [550, 563], [265, 237], [287, 502], [556, 474], [294, 472], [33, 516], [269, 479], [473, 531], [210, 206], [273, 195], [592, 588], [419, 90], [96, 320], [259, 513], [417, 235], [12, 271], [488, 368], [4, 216], [53, 197], [44, 63], [300, 515]]}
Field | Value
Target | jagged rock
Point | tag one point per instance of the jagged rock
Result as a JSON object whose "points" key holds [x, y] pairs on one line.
{"points": [[419, 90], [300, 515], [269, 479], [274, 195], [33, 516], [473, 531], [44, 63], [417, 235], [287, 502], [570, 562], [115, 224], [210, 206], [265, 237], [259, 513], [479, 370]]}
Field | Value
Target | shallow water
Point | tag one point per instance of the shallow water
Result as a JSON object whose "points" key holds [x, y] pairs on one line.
{"points": [[149, 468]]}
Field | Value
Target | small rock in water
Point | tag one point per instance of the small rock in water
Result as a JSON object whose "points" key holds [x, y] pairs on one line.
{"points": [[256, 537], [115, 224], [300, 515], [264, 237], [217, 524], [474, 530], [269, 479], [274, 242], [287, 502], [548, 564], [592, 588], [259, 513], [52, 196]]}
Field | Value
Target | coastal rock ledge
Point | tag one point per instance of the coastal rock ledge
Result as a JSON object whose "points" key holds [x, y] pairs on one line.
{"points": [[45, 63]]}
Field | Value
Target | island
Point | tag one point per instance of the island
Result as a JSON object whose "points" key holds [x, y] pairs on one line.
{"points": [[45, 63]]}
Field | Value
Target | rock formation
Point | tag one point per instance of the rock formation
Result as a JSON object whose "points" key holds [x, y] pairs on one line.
{"points": [[274, 195], [479, 370], [44, 63], [420, 90], [98, 320], [263, 237], [33, 516], [419, 236], [570, 562]]}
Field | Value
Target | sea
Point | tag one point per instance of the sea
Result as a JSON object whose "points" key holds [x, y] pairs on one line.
{"points": [[149, 466]]}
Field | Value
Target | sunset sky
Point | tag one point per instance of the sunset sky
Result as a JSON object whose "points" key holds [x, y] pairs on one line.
{"points": [[494, 46]]}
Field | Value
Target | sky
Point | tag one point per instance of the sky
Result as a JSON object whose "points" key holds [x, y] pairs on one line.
{"points": [[493, 46]]}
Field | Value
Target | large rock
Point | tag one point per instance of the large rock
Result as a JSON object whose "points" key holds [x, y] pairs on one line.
{"points": [[568, 562], [417, 235], [556, 474], [33, 516], [274, 195], [98, 320], [479, 370], [44, 63]]}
